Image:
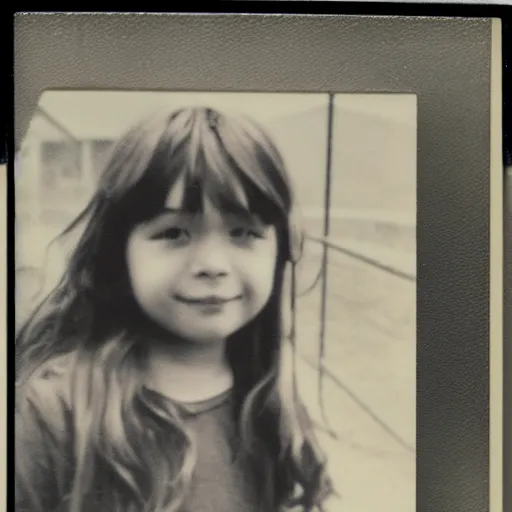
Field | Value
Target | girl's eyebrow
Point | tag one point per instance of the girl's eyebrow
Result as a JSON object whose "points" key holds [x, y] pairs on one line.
{"points": [[171, 211], [242, 215], [166, 212]]}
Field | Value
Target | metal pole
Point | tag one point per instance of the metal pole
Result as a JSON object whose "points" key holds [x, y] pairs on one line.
{"points": [[327, 209], [374, 262]]}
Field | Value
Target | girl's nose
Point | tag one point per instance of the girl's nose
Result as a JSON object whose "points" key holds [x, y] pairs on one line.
{"points": [[211, 273], [211, 259]]}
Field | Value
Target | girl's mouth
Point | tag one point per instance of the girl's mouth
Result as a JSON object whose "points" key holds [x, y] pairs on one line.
{"points": [[209, 300]]}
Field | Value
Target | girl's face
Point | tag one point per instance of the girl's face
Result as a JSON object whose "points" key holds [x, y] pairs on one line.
{"points": [[203, 276]]}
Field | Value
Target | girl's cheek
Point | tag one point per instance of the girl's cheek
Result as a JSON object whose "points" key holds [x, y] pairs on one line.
{"points": [[171, 261], [260, 262], [153, 261]]}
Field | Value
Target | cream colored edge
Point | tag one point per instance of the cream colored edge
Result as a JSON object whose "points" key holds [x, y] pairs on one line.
{"points": [[3, 328], [496, 279]]}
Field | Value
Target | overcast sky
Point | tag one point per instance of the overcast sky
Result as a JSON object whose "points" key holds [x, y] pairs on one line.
{"points": [[100, 114]]}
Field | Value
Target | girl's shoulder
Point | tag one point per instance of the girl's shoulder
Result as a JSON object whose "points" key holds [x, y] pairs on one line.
{"points": [[43, 435], [45, 395]]}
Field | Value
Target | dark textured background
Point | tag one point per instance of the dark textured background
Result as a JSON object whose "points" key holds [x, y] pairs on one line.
{"points": [[445, 61]]}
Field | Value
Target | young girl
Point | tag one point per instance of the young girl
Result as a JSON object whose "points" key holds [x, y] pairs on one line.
{"points": [[154, 377]]}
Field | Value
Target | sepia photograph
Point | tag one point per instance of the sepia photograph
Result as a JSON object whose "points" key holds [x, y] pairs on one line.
{"points": [[216, 302], [251, 262]]}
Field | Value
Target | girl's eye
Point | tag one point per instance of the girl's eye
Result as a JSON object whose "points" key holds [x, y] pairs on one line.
{"points": [[174, 234], [244, 233]]}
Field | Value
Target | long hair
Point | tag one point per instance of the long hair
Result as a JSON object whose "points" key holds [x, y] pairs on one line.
{"points": [[91, 321]]}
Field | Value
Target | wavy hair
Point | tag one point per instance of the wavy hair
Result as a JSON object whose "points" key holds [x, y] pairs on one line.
{"points": [[91, 324]]}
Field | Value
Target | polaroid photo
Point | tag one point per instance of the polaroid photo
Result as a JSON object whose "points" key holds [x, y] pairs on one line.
{"points": [[243, 280]]}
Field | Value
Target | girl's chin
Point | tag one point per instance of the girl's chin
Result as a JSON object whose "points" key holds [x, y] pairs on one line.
{"points": [[206, 336]]}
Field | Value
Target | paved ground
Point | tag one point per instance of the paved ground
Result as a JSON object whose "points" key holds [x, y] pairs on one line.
{"points": [[370, 348], [371, 472]]}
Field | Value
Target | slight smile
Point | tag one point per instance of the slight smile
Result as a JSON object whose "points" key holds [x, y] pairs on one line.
{"points": [[210, 300]]}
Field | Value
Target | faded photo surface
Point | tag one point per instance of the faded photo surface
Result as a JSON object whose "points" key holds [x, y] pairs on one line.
{"points": [[351, 161]]}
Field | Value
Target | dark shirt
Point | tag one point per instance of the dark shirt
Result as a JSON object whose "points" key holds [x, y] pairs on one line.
{"points": [[222, 480]]}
